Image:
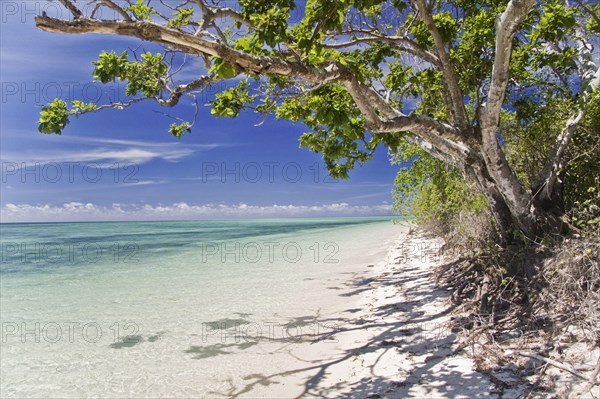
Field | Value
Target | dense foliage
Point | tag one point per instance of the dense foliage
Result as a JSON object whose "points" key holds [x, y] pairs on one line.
{"points": [[439, 198]]}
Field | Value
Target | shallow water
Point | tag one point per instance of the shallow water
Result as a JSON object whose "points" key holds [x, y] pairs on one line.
{"points": [[146, 309]]}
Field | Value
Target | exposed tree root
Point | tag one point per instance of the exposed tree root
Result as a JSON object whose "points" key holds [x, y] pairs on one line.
{"points": [[534, 302]]}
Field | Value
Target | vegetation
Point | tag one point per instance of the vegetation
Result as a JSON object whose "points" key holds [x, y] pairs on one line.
{"points": [[445, 203], [440, 200]]}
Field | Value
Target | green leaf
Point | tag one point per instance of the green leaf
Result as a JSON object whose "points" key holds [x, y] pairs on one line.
{"points": [[141, 11], [223, 69], [230, 102], [53, 117], [110, 66], [177, 130], [181, 18]]}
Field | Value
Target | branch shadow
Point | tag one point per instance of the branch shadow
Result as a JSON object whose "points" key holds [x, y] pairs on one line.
{"points": [[402, 326]]}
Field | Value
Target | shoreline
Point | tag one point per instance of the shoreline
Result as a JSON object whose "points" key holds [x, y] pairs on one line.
{"points": [[164, 321], [397, 343], [401, 343]]}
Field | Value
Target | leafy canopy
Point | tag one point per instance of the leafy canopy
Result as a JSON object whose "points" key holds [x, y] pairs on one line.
{"points": [[385, 45]]}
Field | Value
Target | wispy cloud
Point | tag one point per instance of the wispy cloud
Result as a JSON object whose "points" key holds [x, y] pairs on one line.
{"points": [[100, 156], [138, 143], [108, 151], [78, 211], [145, 183], [371, 195]]}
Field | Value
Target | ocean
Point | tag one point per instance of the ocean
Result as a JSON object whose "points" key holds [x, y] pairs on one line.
{"points": [[177, 309]]}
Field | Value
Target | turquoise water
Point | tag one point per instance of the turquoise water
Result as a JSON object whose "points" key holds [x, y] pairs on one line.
{"points": [[180, 308], [46, 247]]}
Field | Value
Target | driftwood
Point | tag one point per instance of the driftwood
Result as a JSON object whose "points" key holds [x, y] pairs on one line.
{"points": [[555, 363]]}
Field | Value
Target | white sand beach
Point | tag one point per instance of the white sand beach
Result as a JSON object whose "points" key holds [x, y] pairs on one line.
{"points": [[394, 342]]}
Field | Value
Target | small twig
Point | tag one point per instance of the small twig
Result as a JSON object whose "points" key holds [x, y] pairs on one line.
{"points": [[119, 10], [554, 363], [469, 338], [593, 381]]}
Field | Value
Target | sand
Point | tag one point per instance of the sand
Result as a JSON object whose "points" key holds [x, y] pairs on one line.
{"points": [[393, 342]]}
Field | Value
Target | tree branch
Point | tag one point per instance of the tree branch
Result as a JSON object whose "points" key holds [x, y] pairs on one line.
{"points": [[588, 11], [554, 165], [455, 103], [402, 43], [196, 45], [444, 137], [507, 24], [355, 88], [553, 362], [226, 12], [511, 188], [175, 95], [191, 44], [433, 151], [111, 4], [72, 8], [179, 90], [115, 105]]}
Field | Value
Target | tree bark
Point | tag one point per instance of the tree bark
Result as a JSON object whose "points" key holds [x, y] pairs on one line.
{"points": [[500, 210]]}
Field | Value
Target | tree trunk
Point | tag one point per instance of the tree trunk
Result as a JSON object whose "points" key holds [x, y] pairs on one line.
{"points": [[516, 214], [501, 214]]}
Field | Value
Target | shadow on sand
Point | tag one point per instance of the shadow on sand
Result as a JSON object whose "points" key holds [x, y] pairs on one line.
{"points": [[404, 326]]}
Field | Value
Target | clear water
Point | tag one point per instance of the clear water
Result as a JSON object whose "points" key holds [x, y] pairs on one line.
{"points": [[179, 309]]}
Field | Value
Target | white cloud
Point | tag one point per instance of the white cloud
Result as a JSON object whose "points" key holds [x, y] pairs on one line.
{"points": [[108, 151], [146, 183], [78, 211], [140, 143]]}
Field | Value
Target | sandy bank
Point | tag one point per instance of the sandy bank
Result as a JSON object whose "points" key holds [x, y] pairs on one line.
{"points": [[394, 344]]}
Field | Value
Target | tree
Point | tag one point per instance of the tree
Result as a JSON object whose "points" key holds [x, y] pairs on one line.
{"points": [[441, 75]]}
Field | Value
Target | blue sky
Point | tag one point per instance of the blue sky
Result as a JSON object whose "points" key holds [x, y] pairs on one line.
{"points": [[125, 165]]}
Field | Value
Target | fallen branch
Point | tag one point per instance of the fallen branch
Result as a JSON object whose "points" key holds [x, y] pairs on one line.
{"points": [[554, 363]]}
